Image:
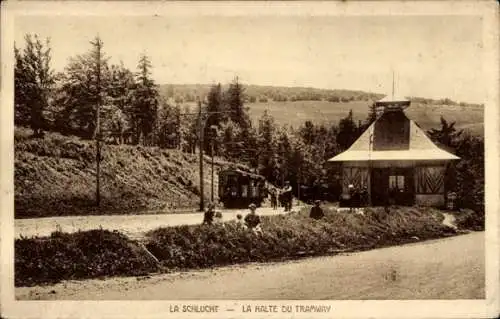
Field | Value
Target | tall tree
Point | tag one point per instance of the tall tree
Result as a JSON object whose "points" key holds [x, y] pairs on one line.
{"points": [[188, 131], [214, 104], [234, 100], [307, 133], [348, 132], [267, 144], [21, 90], [228, 139], [284, 151], [168, 125], [81, 88], [33, 82], [146, 100]]}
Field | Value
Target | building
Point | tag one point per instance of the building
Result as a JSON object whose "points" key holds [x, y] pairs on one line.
{"points": [[395, 161]]}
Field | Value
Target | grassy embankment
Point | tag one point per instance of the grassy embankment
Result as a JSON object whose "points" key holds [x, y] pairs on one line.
{"points": [[101, 253], [55, 176]]}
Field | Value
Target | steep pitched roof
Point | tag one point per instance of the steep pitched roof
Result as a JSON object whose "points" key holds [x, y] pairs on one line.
{"points": [[417, 147]]}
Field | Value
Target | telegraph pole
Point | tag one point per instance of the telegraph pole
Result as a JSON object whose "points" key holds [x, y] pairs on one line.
{"points": [[201, 129], [98, 46]]}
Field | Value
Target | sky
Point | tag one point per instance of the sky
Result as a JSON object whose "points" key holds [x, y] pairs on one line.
{"points": [[432, 56]]}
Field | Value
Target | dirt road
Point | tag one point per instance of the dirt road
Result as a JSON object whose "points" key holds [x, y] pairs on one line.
{"points": [[451, 268], [131, 225]]}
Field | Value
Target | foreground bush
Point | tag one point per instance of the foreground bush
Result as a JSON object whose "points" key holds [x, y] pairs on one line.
{"points": [[470, 220], [88, 254], [291, 236]]}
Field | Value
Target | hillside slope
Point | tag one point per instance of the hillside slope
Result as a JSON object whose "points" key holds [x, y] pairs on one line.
{"points": [[56, 176], [427, 116]]}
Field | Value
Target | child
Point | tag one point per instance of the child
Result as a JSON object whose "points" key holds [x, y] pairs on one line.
{"points": [[208, 218], [252, 220], [218, 218], [316, 211]]}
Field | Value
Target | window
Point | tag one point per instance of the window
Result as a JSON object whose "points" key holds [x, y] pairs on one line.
{"points": [[397, 182]]}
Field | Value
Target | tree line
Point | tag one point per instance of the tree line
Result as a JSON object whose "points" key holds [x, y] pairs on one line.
{"points": [[132, 111]]}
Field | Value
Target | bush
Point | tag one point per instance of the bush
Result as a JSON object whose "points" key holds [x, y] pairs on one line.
{"points": [[470, 220], [292, 236], [80, 255]]}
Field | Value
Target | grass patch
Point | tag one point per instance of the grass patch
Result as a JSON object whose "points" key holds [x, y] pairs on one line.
{"points": [[468, 219], [81, 255]]}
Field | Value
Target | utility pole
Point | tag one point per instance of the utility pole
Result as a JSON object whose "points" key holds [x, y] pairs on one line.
{"points": [[98, 46], [201, 129]]}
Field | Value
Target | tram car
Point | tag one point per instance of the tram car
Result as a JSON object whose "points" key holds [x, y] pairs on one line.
{"points": [[237, 189]]}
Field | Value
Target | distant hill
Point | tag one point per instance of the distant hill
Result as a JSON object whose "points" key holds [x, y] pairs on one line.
{"points": [[294, 105]]}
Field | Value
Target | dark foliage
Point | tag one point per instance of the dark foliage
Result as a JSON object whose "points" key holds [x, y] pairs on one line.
{"points": [[81, 255]]}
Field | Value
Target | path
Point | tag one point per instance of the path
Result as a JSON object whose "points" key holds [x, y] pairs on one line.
{"points": [[450, 268], [131, 225]]}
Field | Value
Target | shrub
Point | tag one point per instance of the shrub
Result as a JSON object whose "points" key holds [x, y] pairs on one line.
{"points": [[80, 255], [292, 236]]}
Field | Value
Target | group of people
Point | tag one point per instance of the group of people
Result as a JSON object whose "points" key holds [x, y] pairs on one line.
{"points": [[283, 196], [251, 220]]}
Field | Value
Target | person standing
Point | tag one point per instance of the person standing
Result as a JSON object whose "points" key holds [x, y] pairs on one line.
{"points": [[274, 199], [287, 196], [316, 211]]}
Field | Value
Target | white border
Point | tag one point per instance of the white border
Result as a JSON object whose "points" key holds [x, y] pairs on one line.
{"points": [[487, 308]]}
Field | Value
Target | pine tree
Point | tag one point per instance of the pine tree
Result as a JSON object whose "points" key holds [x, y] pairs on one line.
{"points": [[214, 104], [267, 146], [80, 91], [188, 129], [230, 146], [33, 83], [447, 135], [284, 151], [21, 107], [348, 132], [145, 105], [234, 100], [307, 133], [168, 125], [118, 100]]}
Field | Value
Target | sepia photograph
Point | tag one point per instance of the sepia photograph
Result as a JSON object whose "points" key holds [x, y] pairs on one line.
{"points": [[223, 158]]}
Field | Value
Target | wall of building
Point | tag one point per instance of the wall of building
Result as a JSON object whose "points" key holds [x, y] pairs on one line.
{"points": [[434, 200], [429, 178]]}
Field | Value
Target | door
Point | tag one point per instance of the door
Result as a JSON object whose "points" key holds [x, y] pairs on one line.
{"points": [[401, 188], [379, 186], [392, 186]]}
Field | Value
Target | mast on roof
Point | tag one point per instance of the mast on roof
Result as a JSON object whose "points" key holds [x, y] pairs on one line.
{"points": [[393, 84]]}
